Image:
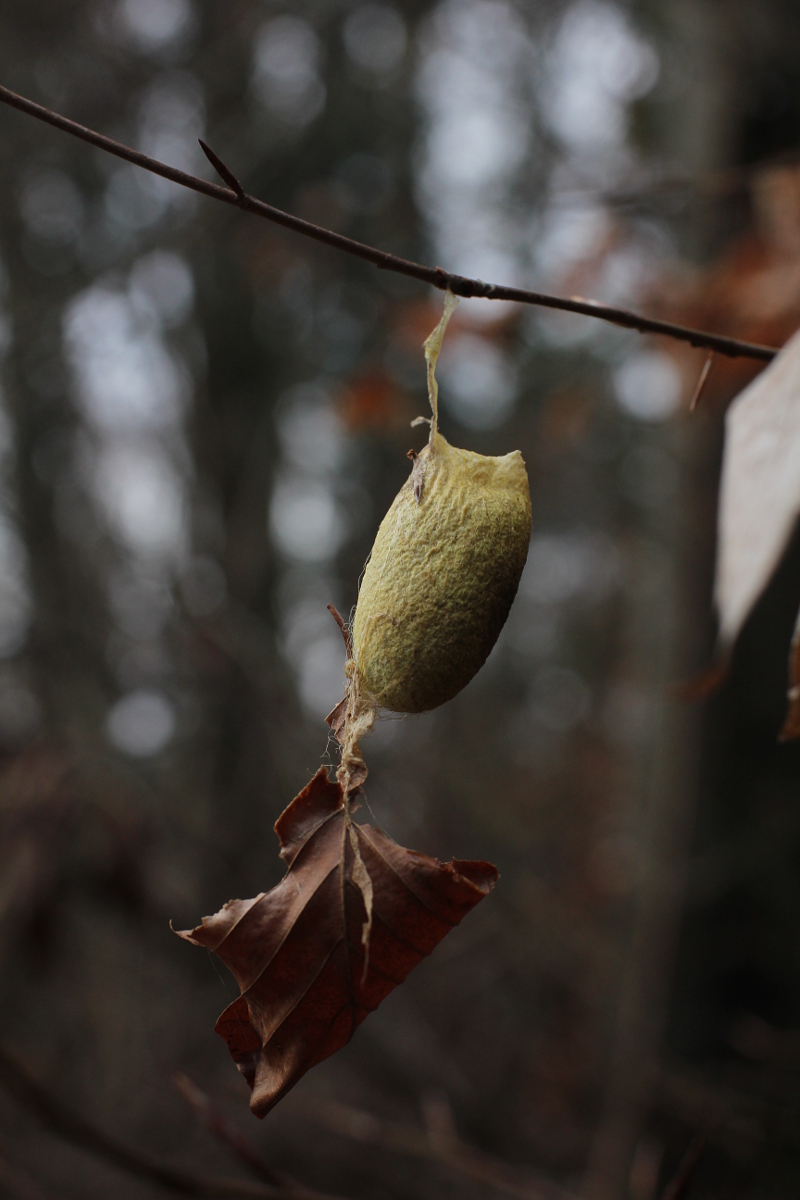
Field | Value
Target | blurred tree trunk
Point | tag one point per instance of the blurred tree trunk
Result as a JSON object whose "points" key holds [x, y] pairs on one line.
{"points": [[695, 133]]}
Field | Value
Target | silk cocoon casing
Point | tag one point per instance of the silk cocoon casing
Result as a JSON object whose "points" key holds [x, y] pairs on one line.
{"points": [[441, 577]]}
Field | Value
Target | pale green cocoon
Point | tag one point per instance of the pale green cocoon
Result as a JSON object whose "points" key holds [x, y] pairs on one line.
{"points": [[442, 576]]}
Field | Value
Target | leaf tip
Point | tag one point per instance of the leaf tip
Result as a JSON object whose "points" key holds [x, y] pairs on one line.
{"points": [[482, 875], [317, 802]]}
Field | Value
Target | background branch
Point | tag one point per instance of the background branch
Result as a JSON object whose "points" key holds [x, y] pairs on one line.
{"points": [[678, 1188], [460, 285], [76, 1130], [230, 1136], [456, 1156]]}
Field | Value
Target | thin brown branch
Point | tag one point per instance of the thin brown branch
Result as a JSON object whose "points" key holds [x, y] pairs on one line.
{"points": [[436, 276], [63, 1122], [228, 1134], [678, 1187]]}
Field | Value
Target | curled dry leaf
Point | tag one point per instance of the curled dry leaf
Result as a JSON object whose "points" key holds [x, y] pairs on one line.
{"points": [[353, 915], [760, 492], [760, 502]]}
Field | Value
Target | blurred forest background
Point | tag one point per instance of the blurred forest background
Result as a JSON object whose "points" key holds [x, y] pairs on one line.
{"points": [[203, 420]]}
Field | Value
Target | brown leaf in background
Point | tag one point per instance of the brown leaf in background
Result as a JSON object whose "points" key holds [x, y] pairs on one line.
{"points": [[760, 490], [371, 401], [310, 959], [791, 725]]}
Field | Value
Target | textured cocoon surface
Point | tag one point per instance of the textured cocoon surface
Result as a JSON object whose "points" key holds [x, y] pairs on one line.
{"points": [[442, 576]]}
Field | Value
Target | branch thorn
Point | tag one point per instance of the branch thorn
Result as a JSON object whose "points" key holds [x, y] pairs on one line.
{"points": [[224, 172]]}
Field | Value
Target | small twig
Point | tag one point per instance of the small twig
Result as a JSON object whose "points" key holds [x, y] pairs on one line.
{"points": [[460, 285], [228, 1134], [78, 1132], [701, 383], [678, 1187]]}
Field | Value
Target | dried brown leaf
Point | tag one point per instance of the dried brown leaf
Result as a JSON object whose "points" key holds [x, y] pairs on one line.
{"points": [[318, 953], [760, 492]]}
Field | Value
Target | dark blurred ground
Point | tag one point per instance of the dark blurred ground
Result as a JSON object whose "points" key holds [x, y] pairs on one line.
{"points": [[203, 421]]}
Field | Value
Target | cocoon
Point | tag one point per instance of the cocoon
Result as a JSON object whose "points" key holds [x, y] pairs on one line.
{"points": [[441, 577]]}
